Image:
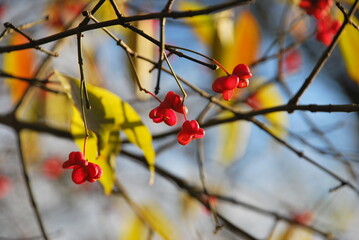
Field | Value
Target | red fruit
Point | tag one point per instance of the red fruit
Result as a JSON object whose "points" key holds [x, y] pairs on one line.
{"points": [[326, 30], [189, 131], [226, 86], [316, 8], [175, 102], [166, 115], [52, 168], [243, 83], [5, 186], [83, 170], [304, 218], [75, 159], [90, 173], [165, 112], [292, 61], [242, 71]]}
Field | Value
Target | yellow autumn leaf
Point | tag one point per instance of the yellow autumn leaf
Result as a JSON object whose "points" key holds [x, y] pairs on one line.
{"points": [[235, 139], [147, 49], [294, 233], [266, 97], [349, 47], [19, 63], [246, 40], [235, 46], [202, 25], [155, 219], [109, 115]]}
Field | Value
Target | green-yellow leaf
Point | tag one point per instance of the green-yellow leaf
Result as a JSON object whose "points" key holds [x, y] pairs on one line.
{"points": [[266, 97], [236, 136], [108, 116], [202, 25], [349, 47], [155, 219]]}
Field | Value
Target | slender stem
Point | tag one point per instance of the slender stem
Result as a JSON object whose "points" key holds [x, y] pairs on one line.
{"points": [[85, 102], [29, 189], [175, 76]]}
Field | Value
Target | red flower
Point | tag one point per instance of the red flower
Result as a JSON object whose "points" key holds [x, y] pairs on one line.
{"points": [[83, 170], [226, 86], [189, 131], [326, 30], [165, 112], [5, 186], [317, 8]]}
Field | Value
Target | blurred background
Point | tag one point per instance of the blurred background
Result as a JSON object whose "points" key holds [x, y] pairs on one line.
{"points": [[277, 193]]}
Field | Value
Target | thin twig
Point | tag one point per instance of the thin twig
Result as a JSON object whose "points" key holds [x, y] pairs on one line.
{"points": [[167, 8], [22, 27], [29, 188], [342, 9], [9, 25], [192, 192]]}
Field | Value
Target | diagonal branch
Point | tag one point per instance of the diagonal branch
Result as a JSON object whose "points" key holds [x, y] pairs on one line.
{"points": [[323, 59]]}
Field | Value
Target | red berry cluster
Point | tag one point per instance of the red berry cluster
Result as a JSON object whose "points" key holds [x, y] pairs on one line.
{"points": [[227, 84], [83, 170], [327, 27], [5, 186], [166, 112], [316, 8]]}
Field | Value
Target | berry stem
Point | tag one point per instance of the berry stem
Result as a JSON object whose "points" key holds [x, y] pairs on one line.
{"points": [[84, 148], [220, 65]]}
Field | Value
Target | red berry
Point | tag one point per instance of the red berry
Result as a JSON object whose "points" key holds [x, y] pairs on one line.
{"points": [[166, 115], [326, 30], [52, 168], [165, 112], [5, 186], [316, 8], [242, 71], [243, 83], [226, 86], [83, 170], [189, 131]]}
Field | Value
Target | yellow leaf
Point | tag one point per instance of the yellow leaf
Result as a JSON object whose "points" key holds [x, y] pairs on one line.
{"points": [[202, 25], [349, 47], [236, 43], [135, 230], [19, 63], [156, 220], [109, 115], [235, 138], [106, 160], [266, 97], [147, 49], [295, 233], [246, 40]]}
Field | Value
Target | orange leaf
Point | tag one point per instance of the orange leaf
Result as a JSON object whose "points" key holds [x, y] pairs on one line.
{"points": [[19, 63], [246, 40]]}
